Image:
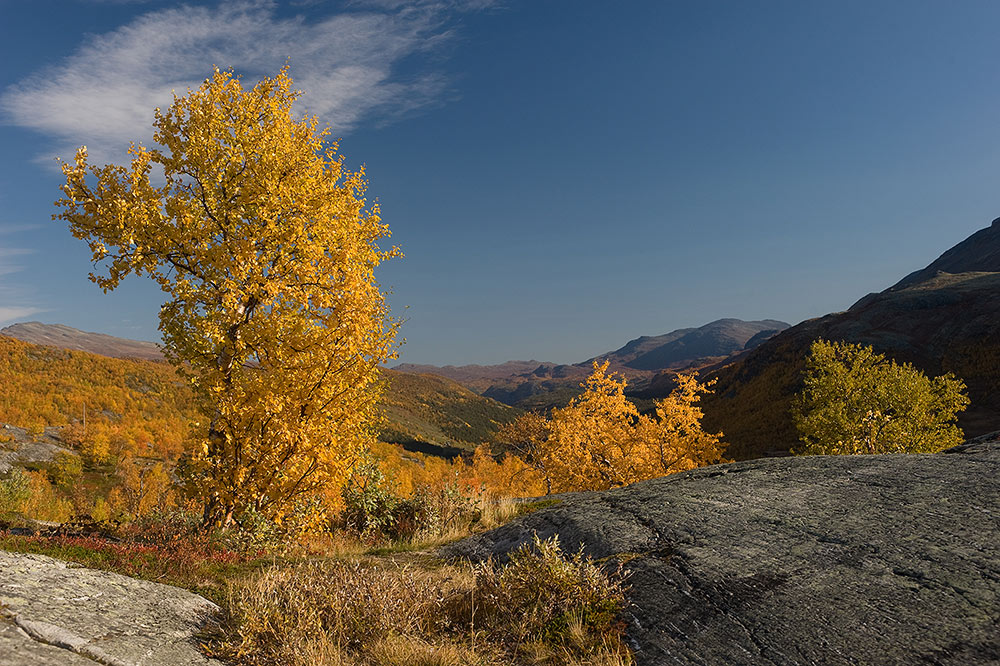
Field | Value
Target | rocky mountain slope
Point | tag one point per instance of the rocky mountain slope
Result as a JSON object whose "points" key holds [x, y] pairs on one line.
{"points": [[939, 321], [890, 559], [979, 253], [65, 337]]}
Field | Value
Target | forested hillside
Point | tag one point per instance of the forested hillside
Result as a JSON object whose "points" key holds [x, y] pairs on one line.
{"points": [[143, 408], [426, 410], [140, 407]]}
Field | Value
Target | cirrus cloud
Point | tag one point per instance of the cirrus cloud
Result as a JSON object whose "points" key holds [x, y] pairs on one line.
{"points": [[347, 64], [13, 297]]}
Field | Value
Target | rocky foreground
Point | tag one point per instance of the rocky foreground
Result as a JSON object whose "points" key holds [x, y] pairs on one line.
{"points": [[54, 613], [814, 560]]}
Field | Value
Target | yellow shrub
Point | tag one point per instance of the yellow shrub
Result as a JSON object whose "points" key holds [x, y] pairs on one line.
{"points": [[600, 440]]}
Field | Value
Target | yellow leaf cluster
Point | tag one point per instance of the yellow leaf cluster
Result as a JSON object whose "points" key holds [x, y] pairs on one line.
{"points": [[143, 488], [266, 249], [601, 441], [496, 476]]}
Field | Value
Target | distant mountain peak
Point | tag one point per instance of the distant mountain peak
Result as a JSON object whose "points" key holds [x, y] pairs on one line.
{"points": [[685, 346], [539, 385]]}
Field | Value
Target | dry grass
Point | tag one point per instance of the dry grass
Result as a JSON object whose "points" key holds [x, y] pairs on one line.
{"points": [[500, 511], [411, 610], [414, 651], [288, 613], [566, 604]]}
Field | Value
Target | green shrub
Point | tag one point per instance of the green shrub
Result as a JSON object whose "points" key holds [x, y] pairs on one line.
{"points": [[66, 470], [430, 513], [44, 501], [856, 401], [254, 532], [370, 505]]}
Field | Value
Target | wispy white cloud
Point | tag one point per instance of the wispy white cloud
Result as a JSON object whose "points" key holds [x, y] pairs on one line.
{"points": [[346, 63], [16, 228], [14, 298], [9, 314], [8, 259]]}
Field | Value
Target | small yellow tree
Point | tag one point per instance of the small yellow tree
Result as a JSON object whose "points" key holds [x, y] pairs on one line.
{"points": [[601, 441], [856, 401], [524, 439], [266, 248], [143, 489]]}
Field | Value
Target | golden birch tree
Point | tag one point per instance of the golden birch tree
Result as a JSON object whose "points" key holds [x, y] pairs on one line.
{"points": [[266, 249], [601, 441]]}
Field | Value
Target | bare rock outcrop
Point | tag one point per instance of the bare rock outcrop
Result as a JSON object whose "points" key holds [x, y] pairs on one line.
{"points": [[19, 447], [889, 559], [55, 613]]}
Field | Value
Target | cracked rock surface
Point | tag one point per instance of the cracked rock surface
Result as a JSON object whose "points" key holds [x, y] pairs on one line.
{"points": [[52, 612], [889, 559]]}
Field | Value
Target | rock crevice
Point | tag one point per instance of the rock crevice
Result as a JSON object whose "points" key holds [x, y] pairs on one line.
{"points": [[50, 634]]}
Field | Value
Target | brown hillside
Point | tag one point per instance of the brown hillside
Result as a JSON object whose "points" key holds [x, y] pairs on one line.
{"points": [[476, 377]]}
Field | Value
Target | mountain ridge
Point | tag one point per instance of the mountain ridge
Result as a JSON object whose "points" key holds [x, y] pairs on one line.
{"points": [[539, 384], [67, 337], [937, 320], [676, 349], [978, 253]]}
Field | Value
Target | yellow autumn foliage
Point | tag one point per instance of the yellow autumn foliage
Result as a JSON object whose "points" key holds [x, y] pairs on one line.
{"points": [[144, 487], [601, 441], [485, 474], [132, 407], [266, 249]]}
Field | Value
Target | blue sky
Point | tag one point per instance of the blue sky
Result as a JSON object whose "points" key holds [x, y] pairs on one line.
{"points": [[562, 175]]}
